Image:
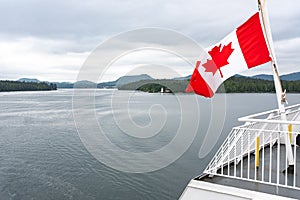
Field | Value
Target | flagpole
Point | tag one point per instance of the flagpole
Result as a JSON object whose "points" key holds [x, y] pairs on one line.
{"points": [[281, 96]]}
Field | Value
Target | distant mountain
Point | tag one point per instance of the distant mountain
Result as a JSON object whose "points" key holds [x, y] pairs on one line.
{"points": [[291, 77], [263, 77], [288, 77], [240, 76], [85, 84], [88, 84], [130, 79], [64, 84], [183, 78], [124, 80], [110, 84], [78, 84], [29, 80]]}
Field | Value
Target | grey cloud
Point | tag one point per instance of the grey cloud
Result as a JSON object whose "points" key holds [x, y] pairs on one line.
{"points": [[76, 26], [206, 21]]}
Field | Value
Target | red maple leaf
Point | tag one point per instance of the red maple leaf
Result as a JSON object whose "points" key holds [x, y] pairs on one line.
{"points": [[219, 58]]}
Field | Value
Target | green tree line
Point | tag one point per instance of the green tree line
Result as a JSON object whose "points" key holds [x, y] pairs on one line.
{"points": [[7, 86], [232, 85], [251, 85]]}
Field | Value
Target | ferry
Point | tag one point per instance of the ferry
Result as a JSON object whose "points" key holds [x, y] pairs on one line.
{"points": [[259, 159]]}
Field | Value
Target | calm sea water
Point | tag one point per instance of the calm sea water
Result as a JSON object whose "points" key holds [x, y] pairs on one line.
{"points": [[42, 156]]}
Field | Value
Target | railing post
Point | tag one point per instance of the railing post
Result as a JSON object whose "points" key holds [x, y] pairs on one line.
{"points": [[290, 130], [257, 145]]}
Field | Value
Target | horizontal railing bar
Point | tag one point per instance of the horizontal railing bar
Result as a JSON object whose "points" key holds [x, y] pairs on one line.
{"points": [[251, 118], [267, 130], [244, 119]]}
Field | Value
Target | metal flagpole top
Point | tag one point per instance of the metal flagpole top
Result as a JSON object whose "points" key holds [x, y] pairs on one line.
{"points": [[268, 35]]}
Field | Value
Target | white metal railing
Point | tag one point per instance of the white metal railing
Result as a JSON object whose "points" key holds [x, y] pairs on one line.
{"points": [[290, 111], [254, 151]]}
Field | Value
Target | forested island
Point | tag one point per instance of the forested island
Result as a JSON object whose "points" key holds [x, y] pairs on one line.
{"points": [[232, 85], [9, 86], [155, 85]]}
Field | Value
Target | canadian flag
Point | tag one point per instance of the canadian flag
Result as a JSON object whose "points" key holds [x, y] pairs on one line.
{"points": [[242, 49]]}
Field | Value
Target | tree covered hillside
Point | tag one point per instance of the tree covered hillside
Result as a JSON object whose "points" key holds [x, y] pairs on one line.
{"points": [[7, 86]]}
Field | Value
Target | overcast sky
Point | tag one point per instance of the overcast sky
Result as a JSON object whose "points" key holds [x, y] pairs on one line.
{"points": [[50, 40]]}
